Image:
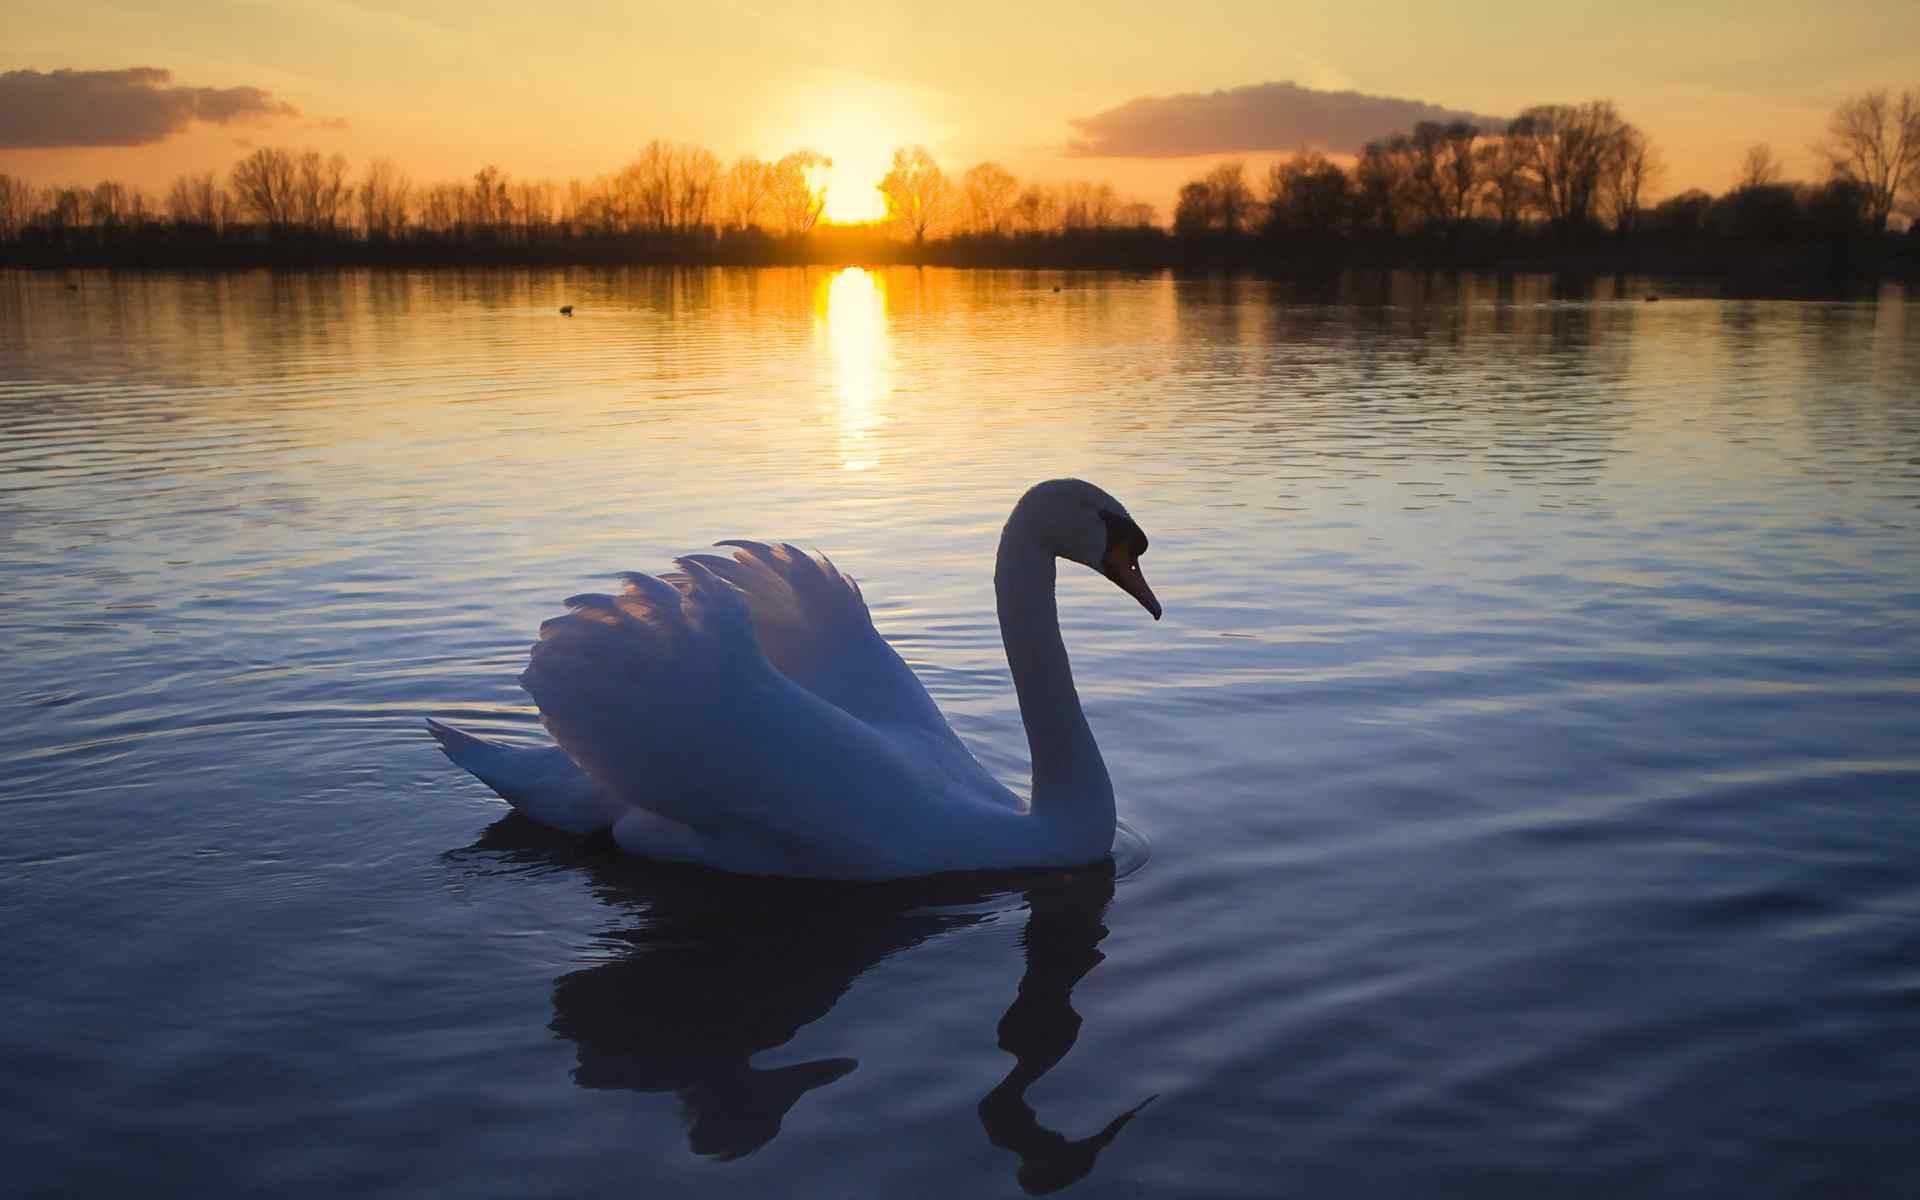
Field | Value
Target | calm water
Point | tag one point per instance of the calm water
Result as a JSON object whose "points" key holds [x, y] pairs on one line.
{"points": [[1530, 757]]}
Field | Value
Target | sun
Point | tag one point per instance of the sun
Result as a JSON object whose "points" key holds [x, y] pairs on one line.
{"points": [[853, 185], [857, 124]]}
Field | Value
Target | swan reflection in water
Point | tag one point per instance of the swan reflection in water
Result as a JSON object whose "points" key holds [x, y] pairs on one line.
{"points": [[723, 968]]}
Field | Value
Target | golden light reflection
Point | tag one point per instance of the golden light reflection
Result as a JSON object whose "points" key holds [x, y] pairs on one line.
{"points": [[850, 310]]}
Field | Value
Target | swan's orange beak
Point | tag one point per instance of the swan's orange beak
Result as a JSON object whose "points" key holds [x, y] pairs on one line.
{"points": [[1123, 567]]}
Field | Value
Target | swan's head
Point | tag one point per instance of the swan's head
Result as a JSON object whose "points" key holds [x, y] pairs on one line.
{"points": [[1078, 521]]}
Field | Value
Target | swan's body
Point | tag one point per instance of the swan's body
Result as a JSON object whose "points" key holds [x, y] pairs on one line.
{"points": [[744, 714]]}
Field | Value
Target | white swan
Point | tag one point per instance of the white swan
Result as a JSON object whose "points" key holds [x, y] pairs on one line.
{"points": [[743, 713]]}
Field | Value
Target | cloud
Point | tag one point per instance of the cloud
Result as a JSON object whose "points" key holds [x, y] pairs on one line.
{"points": [[134, 107], [1261, 116]]}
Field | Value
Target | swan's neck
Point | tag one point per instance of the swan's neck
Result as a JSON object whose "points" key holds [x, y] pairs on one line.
{"points": [[1071, 790]]}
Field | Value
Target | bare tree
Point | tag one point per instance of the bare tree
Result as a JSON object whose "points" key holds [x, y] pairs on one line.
{"points": [[533, 204], [320, 191], [1760, 168], [16, 206], [1567, 149], [646, 186], [1085, 204], [1504, 182], [669, 187], [442, 207], [1874, 140], [196, 200], [1231, 198], [989, 190], [63, 208], [264, 181], [1444, 179], [746, 191], [799, 196], [1630, 167], [107, 204], [1383, 181], [383, 200], [489, 203], [1035, 210], [917, 192], [695, 179]]}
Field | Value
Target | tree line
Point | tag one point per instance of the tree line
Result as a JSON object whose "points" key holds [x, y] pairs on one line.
{"points": [[1572, 173], [670, 192], [1556, 179]]}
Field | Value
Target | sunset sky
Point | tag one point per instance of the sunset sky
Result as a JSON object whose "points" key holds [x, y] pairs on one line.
{"points": [[559, 90]]}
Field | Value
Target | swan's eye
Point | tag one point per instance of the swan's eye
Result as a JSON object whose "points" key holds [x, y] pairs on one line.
{"points": [[1123, 536]]}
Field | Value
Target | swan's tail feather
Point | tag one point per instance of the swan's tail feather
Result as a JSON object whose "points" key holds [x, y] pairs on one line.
{"points": [[540, 781], [458, 744]]}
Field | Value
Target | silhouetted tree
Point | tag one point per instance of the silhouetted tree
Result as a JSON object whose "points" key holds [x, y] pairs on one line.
{"points": [[597, 206], [265, 183], [1232, 199], [746, 192], [107, 204], [1567, 148], [669, 187], [16, 206], [533, 205], [1768, 212], [1683, 216], [1193, 214], [1505, 183], [487, 204], [989, 190], [1839, 208], [1874, 140], [1307, 195], [64, 208], [197, 200], [320, 191], [383, 199], [441, 207], [1084, 204], [1444, 179], [916, 191], [1036, 209], [1759, 168], [799, 195], [1382, 178], [1627, 171]]}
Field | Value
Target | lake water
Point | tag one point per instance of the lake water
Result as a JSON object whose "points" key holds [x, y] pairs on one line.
{"points": [[1529, 757]]}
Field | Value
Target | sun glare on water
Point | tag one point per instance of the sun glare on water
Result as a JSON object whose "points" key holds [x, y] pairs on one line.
{"points": [[850, 315]]}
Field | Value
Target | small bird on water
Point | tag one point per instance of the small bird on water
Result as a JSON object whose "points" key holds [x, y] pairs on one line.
{"points": [[566, 310]]}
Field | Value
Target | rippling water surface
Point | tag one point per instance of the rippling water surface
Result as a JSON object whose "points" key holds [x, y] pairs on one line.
{"points": [[1530, 757]]}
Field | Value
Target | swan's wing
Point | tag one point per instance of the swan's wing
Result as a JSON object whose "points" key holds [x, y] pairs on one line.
{"points": [[813, 626], [663, 697]]}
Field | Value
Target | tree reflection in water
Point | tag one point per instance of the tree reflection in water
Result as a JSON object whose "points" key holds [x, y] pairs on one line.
{"points": [[721, 969]]}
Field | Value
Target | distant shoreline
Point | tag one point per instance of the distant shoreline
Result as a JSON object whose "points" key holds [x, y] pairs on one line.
{"points": [[1742, 267]]}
